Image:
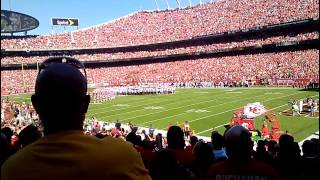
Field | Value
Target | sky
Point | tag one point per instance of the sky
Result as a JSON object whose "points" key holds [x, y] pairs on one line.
{"points": [[89, 12]]}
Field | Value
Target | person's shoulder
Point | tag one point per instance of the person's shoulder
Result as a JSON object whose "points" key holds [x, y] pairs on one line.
{"points": [[120, 152], [262, 168], [115, 141], [18, 159], [217, 168], [118, 145], [251, 167], [259, 164], [252, 164], [219, 165]]}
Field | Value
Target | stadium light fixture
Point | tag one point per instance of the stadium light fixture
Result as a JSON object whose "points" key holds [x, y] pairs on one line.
{"points": [[178, 2], [167, 4], [156, 4]]}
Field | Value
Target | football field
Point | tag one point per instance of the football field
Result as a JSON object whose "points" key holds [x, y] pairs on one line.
{"points": [[204, 108]]}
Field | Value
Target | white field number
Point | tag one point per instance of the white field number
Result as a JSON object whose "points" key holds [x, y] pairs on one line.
{"points": [[197, 111], [153, 107], [121, 105]]}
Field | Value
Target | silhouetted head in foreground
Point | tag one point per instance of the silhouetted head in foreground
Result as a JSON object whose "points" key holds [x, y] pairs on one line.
{"points": [[29, 135], [193, 140], [163, 165], [238, 143], [61, 98], [7, 132], [175, 138], [203, 154], [309, 148], [217, 140]]}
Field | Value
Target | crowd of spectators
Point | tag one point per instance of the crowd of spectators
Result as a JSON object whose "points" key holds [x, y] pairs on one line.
{"points": [[172, 155], [172, 25], [161, 51], [291, 64], [18, 81], [299, 64], [17, 116]]}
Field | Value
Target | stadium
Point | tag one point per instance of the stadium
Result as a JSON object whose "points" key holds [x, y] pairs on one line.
{"points": [[196, 67]]}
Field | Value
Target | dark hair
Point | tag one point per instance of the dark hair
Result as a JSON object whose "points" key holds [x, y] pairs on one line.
{"points": [[203, 153], [29, 135], [158, 142], [163, 165], [193, 140], [271, 144], [286, 142], [238, 143], [146, 144], [204, 158], [309, 148], [100, 135], [8, 133], [217, 140], [175, 138]]}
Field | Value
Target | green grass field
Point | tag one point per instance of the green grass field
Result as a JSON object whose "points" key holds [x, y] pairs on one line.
{"points": [[203, 108]]}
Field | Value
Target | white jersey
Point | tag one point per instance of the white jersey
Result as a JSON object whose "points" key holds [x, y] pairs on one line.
{"points": [[300, 105]]}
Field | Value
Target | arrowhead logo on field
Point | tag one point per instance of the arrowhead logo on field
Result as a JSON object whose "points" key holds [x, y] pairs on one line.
{"points": [[253, 110]]}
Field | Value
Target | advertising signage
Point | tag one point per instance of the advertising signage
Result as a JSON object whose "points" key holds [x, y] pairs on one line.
{"points": [[12, 22], [65, 22]]}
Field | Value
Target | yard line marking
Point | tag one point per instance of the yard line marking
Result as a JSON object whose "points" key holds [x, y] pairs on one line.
{"points": [[175, 108], [173, 102], [240, 107], [211, 107], [90, 114], [228, 123], [186, 112], [274, 93], [127, 102], [157, 112], [102, 112], [137, 106], [122, 96], [219, 92], [108, 106]]}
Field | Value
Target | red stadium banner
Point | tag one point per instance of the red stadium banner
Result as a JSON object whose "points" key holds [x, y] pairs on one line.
{"points": [[302, 81]]}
